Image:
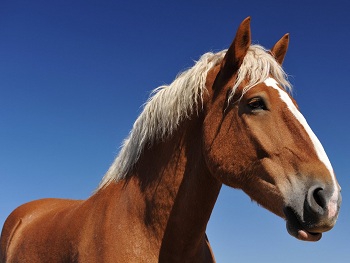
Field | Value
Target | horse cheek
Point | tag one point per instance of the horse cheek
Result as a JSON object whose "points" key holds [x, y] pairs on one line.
{"points": [[221, 150]]}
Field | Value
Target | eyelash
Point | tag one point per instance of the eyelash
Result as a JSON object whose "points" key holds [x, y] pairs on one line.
{"points": [[257, 103]]}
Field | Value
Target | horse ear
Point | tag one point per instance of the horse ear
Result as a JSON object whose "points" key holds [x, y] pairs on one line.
{"points": [[279, 50], [238, 49]]}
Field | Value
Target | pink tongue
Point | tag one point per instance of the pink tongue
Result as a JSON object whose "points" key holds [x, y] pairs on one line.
{"points": [[306, 236], [301, 234]]}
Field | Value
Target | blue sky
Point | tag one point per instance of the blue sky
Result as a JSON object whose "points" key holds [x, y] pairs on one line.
{"points": [[74, 74]]}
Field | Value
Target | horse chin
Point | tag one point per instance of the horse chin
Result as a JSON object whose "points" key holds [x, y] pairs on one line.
{"points": [[295, 228]]}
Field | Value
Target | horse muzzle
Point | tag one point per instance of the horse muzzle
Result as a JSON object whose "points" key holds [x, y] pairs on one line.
{"points": [[308, 217]]}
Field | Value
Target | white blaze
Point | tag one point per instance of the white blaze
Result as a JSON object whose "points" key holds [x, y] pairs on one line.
{"points": [[317, 144]]}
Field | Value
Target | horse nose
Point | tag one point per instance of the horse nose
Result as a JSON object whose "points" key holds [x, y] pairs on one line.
{"points": [[322, 205]]}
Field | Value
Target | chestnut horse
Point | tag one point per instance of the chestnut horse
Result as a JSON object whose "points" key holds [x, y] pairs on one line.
{"points": [[227, 120]]}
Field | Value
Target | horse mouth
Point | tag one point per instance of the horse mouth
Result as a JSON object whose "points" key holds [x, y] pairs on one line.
{"points": [[296, 229]]}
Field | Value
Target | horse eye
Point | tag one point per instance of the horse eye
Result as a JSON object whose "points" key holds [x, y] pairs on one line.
{"points": [[257, 104]]}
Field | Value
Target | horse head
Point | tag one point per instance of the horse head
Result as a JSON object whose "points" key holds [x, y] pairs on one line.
{"points": [[256, 139]]}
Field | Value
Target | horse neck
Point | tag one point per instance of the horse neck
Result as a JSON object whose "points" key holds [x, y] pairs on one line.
{"points": [[176, 190]]}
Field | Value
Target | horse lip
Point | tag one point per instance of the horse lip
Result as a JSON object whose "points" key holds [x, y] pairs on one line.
{"points": [[296, 229]]}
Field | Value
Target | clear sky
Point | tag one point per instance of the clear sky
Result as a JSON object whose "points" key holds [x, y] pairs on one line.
{"points": [[74, 75]]}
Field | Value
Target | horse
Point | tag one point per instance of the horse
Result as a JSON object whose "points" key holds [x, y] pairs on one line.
{"points": [[230, 119]]}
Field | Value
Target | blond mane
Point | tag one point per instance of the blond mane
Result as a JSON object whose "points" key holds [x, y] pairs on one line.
{"points": [[169, 105]]}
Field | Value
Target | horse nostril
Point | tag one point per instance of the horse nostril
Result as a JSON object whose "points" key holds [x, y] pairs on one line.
{"points": [[320, 198], [316, 201]]}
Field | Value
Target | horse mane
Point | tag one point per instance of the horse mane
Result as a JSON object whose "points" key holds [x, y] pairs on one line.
{"points": [[169, 105]]}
